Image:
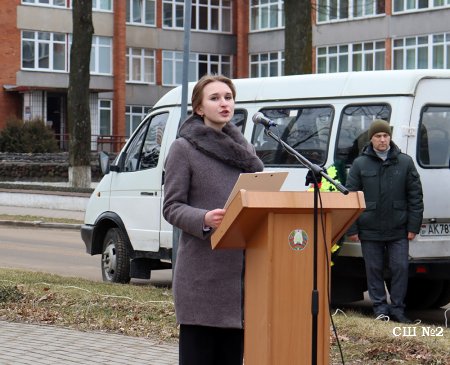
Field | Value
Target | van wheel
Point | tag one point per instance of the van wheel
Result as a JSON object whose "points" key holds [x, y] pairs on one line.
{"points": [[444, 299], [423, 293], [115, 258]]}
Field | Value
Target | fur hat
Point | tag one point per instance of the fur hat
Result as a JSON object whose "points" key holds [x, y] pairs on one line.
{"points": [[379, 126]]}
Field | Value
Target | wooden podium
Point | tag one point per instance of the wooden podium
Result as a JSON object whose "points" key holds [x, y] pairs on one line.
{"points": [[276, 230]]}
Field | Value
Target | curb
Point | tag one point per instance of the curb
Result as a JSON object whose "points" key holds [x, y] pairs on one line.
{"points": [[40, 224]]}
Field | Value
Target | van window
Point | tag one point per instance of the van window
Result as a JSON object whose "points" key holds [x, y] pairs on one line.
{"points": [[434, 137], [239, 118], [143, 150], [306, 129], [352, 135]]}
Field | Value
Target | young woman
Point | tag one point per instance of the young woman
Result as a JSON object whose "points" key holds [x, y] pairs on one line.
{"points": [[201, 169]]}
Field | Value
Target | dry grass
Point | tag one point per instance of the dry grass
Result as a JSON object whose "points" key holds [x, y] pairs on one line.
{"points": [[147, 311], [371, 342], [142, 311]]}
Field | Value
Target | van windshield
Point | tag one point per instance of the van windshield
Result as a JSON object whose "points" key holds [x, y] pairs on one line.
{"points": [[306, 129]]}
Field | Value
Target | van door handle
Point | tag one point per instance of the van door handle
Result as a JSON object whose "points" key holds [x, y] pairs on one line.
{"points": [[147, 193]]}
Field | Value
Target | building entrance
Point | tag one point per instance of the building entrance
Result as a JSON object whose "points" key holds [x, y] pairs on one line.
{"points": [[57, 119]]}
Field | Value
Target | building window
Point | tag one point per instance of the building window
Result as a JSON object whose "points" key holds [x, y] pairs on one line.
{"points": [[441, 51], [141, 65], [413, 5], [367, 56], [133, 116], [44, 51], [267, 64], [102, 5], [199, 64], [142, 12], [101, 55], [266, 14], [105, 116], [410, 53], [173, 13], [330, 10], [207, 15], [332, 59], [54, 3], [422, 52]]}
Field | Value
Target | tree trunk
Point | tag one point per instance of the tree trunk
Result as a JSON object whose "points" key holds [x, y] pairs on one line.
{"points": [[297, 37], [79, 120]]}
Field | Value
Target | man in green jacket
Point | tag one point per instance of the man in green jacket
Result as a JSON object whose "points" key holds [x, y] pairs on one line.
{"points": [[393, 216]]}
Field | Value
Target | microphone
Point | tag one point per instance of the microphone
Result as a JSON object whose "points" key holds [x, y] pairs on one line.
{"points": [[260, 118]]}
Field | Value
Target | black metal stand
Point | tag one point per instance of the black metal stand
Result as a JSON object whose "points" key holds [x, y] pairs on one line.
{"points": [[314, 176]]}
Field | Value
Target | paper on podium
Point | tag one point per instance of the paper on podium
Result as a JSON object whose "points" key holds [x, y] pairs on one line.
{"points": [[258, 181]]}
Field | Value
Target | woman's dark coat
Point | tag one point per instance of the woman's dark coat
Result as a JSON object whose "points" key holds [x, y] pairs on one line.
{"points": [[201, 169], [393, 195]]}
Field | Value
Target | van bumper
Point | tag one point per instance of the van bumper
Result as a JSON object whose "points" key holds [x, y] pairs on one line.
{"points": [[430, 269], [87, 232]]}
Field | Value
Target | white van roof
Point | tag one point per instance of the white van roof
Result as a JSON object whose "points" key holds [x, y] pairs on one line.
{"points": [[343, 84]]}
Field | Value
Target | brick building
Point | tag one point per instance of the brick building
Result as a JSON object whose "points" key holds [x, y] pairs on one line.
{"points": [[137, 49]]}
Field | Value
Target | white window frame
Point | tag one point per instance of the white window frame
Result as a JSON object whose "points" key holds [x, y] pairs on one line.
{"points": [[100, 110], [414, 46], [368, 53], [335, 54], [51, 43], [263, 61], [132, 113], [343, 54], [347, 10], [99, 45], [407, 6], [172, 66], [264, 10], [51, 3], [103, 5], [224, 10], [143, 4], [140, 61]]}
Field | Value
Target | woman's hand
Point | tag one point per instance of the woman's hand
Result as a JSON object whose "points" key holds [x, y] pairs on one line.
{"points": [[213, 218]]}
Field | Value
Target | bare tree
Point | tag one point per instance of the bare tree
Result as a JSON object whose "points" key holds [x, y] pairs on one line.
{"points": [[79, 120], [297, 37]]}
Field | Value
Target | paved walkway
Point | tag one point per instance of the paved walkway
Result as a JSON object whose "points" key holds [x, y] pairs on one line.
{"points": [[31, 344]]}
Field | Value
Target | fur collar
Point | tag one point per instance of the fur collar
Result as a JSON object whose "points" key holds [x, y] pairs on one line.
{"points": [[227, 145]]}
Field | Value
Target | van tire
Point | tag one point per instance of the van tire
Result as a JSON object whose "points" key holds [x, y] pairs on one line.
{"points": [[423, 293], [444, 299], [115, 262]]}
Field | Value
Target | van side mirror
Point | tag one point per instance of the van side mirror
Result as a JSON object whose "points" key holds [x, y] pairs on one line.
{"points": [[103, 160]]}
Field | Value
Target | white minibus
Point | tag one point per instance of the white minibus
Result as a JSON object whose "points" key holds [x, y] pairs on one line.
{"points": [[325, 118]]}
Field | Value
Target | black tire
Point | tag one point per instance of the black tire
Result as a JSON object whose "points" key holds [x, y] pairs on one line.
{"points": [[115, 258], [423, 293], [444, 299]]}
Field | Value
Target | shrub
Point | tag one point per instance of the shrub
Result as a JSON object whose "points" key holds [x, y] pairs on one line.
{"points": [[27, 137]]}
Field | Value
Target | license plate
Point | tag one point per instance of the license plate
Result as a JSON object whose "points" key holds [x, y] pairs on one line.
{"points": [[435, 229]]}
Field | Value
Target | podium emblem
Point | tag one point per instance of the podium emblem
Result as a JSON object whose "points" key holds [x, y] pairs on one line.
{"points": [[298, 239]]}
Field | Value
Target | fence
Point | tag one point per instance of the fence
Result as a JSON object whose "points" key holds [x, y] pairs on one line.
{"points": [[107, 143]]}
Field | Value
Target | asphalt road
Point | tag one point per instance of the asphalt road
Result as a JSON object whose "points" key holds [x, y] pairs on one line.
{"points": [[56, 251]]}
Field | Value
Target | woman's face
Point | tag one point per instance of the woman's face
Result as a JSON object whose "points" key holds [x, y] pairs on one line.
{"points": [[217, 106]]}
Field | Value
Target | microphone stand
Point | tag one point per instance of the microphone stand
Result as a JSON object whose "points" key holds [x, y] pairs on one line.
{"points": [[314, 176]]}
